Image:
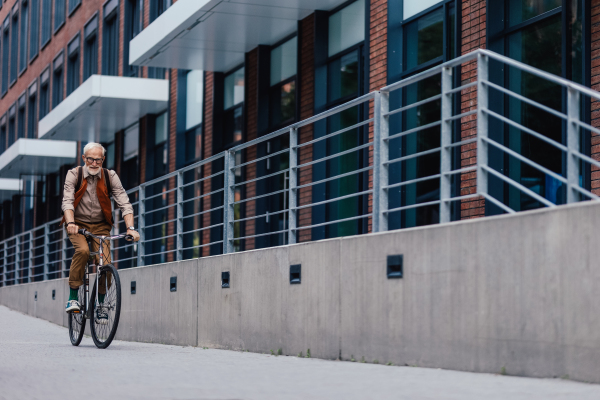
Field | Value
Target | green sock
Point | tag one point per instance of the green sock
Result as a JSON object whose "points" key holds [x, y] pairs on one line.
{"points": [[73, 295], [101, 297]]}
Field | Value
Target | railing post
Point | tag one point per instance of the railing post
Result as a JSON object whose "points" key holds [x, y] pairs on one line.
{"points": [[30, 261], [46, 250], [3, 263], [381, 129], [63, 247], [141, 247], [228, 199], [573, 144], [179, 216], [17, 258], [293, 182], [446, 141], [482, 123]]}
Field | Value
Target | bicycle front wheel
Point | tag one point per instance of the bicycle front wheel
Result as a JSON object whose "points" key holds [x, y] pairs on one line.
{"points": [[105, 315], [77, 320]]}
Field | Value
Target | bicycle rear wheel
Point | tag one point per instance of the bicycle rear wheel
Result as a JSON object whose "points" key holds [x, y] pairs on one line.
{"points": [[77, 321], [103, 334]]}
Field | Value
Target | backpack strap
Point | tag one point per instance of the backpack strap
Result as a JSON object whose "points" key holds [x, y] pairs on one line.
{"points": [[79, 179], [107, 182]]}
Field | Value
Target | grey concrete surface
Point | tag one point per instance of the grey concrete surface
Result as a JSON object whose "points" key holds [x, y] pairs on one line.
{"points": [[37, 361], [155, 314]]}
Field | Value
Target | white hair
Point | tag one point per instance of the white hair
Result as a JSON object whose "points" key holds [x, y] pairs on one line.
{"points": [[90, 146]]}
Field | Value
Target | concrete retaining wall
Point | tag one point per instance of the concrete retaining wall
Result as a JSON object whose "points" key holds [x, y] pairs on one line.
{"points": [[513, 293]]}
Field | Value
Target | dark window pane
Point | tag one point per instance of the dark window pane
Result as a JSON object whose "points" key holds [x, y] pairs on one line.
{"points": [[283, 103], [73, 4], [34, 33], [24, 29], [233, 124], [32, 117], [425, 39], [44, 100], [21, 123], [539, 46], [57, 87], [5, 56], [522, 10], [110, 47], [343, 77], [46, 20], [73, 73], [193, 144], [59, 13], [3, 139], [14, 48], [90, 57]]}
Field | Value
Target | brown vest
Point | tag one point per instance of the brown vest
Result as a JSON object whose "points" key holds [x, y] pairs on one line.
{"points": [[101, 192]]}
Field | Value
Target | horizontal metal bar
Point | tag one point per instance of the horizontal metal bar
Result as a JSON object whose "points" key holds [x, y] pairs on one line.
{"points": [[124, 259], [202, 229], [460, 171], [341, 153], [334, 199], [498, 203], [585, 192], [358, 171], [429, 203], [202, 245], [461, 143], [258, 235], [259, 216], [525, 99], [160, 238], [415, 155], [202, 179], [524, 129], [413, 130], [587, 126], [261, 196], [338, 132], [161, 208], [461, 88], [123, 247], [160, 252], [519, 186], [261, 177], [413, 105], [201, 212], [417, 180], [462, 115], [160, 223], [525, 160], [160, 194], [334, 222], [586, 158], [261, 158]]}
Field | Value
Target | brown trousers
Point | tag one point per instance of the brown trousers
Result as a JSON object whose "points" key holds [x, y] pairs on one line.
{"points": [[82, 253]]}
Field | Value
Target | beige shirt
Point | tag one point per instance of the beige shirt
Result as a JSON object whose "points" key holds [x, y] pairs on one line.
{"points": [[89, 209]]}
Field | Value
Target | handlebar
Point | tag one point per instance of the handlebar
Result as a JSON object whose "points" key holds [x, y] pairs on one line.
{"points": [[88, 234]]}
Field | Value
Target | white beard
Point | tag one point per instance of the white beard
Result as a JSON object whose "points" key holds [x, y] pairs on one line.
{"points": [[92, 172]]}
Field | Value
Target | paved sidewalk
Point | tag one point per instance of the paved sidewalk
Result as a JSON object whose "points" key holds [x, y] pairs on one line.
{"points": [[37, 361]]}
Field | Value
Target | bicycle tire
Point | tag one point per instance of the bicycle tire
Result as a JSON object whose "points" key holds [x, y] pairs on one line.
{"points": [[77, 321], [103, 335]]}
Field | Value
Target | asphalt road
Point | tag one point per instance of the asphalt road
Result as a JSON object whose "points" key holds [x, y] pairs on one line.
{"points": [[37, 361]]}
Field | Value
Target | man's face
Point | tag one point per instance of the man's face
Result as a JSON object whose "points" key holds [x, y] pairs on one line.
{"points": [[93, 159]]}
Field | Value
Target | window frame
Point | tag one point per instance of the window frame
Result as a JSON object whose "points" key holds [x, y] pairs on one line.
{"points": [[34, 30], [58, 70], [22, 115], [90, 35], [5, 55], [130, 31], [73, 68], [56, 27], [46, 4], [44, 93], [277, 87], [241, 105], [32, 114], [24, 39], [110, 21], [71, 10], [14, 45]]}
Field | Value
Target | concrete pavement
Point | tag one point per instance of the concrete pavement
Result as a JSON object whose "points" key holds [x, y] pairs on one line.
{"points": [[37, 361]]}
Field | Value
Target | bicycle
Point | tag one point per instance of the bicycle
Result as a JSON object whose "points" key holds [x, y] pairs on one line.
{"points": [[102, 333]]}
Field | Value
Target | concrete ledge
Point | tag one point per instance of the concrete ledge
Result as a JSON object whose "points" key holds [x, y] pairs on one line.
{"points": [[513, 293]]}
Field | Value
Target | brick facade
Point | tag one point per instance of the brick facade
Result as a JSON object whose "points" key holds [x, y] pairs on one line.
{"points": [[377, 68], [473, 37], [595, 80]]}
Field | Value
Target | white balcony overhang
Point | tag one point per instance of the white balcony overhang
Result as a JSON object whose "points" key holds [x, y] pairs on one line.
{"points": [[102, 106], [214, 35], [36, 157], [9, 187]]}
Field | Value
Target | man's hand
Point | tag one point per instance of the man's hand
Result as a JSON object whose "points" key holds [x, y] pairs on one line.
{"points": [[72, 229], [135, 234]]}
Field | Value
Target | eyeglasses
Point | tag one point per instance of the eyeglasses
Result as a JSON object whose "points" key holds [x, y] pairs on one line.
{"points": [[91, 160]]}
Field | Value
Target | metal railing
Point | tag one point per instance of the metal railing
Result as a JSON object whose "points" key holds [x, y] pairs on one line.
{"points": [[364, 166]]}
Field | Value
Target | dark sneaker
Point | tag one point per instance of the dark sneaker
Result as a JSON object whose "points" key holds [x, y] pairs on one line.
{"points": [[72, 305], [102, 315]]}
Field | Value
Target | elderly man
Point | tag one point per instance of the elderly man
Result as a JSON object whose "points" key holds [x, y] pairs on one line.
{"points": [[86, 204]]}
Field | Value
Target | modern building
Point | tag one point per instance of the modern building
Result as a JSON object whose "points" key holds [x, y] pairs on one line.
{"points": [[165, 85]]}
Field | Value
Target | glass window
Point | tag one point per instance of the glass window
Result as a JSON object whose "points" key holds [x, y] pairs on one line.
{"points": [[44, 99], [90, 51], [284, 61], [283, 103], [131, 145], [73, 5], [158, 153], [3, 138], [161, 132], [57, 81], [193, 144], [110, 46], [73, 66], [133, 26], [11, 130], [413, 7], [21, 122], [24, 29], [34, 30], [425, 39], [46, 21], [194, 98], [31, 116], [5, 55], [234, 88], [60, 10], [522, 10], [157, 7], [347, 27], [343, 77], [110, 155], [14, 47]]}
